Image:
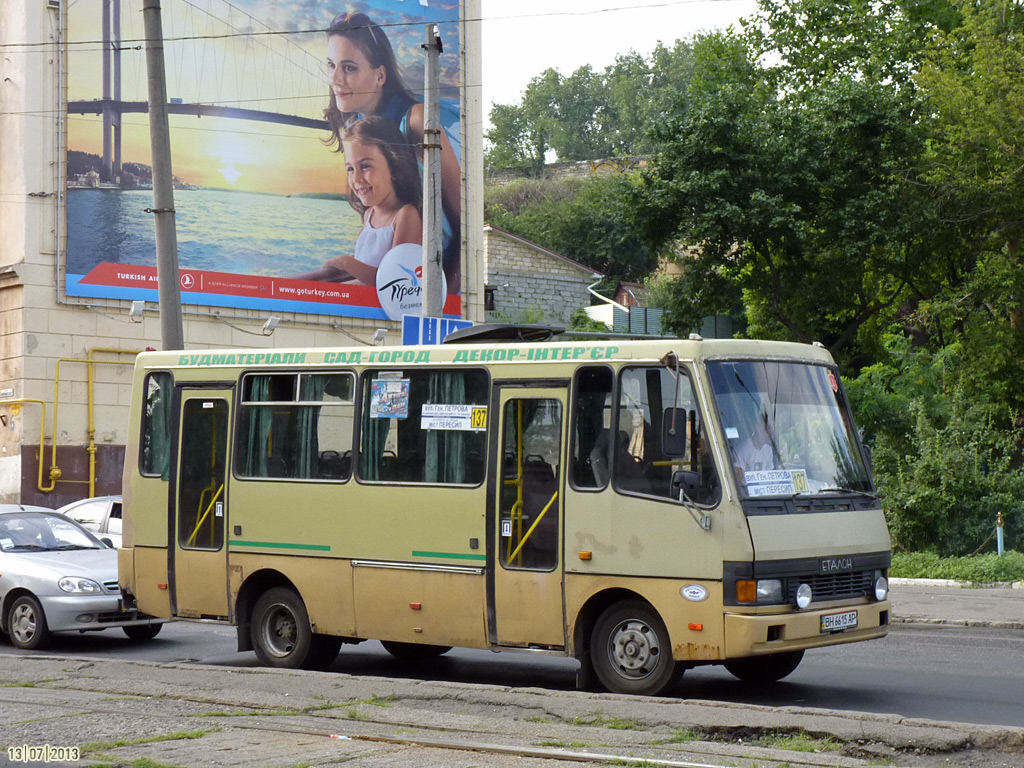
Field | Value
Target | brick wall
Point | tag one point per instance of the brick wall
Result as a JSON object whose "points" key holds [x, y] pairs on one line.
{"points": [[530, 283]]}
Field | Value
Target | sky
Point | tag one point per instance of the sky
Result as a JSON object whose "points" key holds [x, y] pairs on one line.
{"points": [[522, 38]]}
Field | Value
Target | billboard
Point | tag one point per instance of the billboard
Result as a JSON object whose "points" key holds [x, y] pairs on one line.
{"points": [[296, 147]]}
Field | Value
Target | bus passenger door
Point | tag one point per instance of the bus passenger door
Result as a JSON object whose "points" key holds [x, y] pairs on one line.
{"points": [[198, 567], [526, 544]]}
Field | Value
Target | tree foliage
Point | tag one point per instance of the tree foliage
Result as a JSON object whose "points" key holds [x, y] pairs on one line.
{"points": [[589, 115], [803, 202], [586, 220], [845, 172]]}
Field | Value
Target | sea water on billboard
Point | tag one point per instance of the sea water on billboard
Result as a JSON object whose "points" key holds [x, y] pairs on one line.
{"points": [[260, 191]]}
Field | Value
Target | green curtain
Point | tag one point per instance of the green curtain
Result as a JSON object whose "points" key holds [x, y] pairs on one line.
{"points": [[445, 450], [375, 435], [311, 388], [259, 419]]}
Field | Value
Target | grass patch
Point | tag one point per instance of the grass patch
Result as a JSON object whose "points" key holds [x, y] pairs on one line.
{"points": [[145, 762], [791, 741], [29, 684], [564, 744], [600, 721], [681, 736], [102, 746], [353, 713], [979, 569], [798, 741]]}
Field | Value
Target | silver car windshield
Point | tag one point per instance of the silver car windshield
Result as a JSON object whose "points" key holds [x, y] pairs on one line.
{"points": [[40, 532], [788, 429]]}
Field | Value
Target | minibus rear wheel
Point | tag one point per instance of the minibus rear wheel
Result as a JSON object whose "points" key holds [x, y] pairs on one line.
{"points": [[765, 669], [631, 650], [280, 631]]}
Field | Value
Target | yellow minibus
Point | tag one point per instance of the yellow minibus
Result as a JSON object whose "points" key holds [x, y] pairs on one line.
{"points": [[643, 506]]}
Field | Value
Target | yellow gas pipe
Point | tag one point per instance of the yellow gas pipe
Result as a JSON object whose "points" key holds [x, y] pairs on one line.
{"points": [[42, 427], [55, 472]]}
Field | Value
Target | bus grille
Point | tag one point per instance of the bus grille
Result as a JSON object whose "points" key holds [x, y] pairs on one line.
{"points": [[834, 586]]}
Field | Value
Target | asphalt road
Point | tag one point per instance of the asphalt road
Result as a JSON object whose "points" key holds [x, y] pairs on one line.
{"points": [[951, 673]]}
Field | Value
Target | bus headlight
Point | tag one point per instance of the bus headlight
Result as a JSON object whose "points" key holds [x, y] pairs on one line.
{"points": [[803, 596], [769, 591], [762, 591], [881, 586]]}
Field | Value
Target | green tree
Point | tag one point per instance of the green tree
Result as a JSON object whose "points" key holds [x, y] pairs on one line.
{"points": [[802, 202], [584, 219], [590, 115]]}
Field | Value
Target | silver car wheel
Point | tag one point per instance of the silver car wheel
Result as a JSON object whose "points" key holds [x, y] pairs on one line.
{"points": [[26, 624]]}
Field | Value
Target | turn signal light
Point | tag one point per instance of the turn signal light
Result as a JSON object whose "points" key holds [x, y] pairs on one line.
{"points": [[746, 591]]}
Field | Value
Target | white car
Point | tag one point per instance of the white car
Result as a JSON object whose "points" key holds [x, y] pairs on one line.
{"points": [[55, 576], [101, 515]]}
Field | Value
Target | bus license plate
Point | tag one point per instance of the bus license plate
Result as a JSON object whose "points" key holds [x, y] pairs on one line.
{"points": [[837, 622]]}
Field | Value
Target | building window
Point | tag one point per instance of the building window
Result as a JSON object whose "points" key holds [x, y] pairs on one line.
{"points": [[489, 298]]}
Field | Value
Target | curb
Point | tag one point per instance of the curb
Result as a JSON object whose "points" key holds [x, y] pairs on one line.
{"points": [[957, 622], [897, 581]]}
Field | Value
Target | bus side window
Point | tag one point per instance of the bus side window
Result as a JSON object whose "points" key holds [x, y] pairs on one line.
{"points": [[592, 443], [296, 425], [424, 427], [155, 445], [647, 396]]}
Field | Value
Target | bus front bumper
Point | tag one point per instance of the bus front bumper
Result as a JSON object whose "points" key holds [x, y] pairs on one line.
{"points": [[760, 634]]}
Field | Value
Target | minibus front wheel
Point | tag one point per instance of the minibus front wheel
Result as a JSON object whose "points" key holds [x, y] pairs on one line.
{"points": [[631, 650], [282, 636]]}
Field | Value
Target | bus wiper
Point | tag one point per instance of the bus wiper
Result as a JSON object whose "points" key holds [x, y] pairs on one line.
{"points": [[865, 494]]}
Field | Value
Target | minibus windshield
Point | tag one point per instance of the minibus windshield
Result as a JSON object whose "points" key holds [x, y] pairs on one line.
{"points": [[788, 429]]}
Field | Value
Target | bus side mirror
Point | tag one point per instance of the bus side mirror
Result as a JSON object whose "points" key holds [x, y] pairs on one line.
{"points": [[685, 481], [673, 432]]}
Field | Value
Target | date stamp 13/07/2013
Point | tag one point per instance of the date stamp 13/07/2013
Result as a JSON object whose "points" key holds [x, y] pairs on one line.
{"points": [[43, 753]]}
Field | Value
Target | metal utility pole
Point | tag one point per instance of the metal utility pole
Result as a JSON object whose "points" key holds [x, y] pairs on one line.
{"points": [[169, 290], [433, 273]]}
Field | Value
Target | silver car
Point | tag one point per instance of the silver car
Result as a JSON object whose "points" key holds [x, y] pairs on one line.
{"points": [[55, 576], [101, 515]]}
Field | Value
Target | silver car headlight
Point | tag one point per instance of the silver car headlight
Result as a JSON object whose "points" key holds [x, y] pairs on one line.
{"points": [[79, 586]]}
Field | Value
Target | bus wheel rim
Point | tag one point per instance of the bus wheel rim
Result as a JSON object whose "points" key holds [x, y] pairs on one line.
{"points": [[634, 648], [279, 631]]}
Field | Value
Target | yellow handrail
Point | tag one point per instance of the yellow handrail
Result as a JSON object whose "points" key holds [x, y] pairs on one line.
{"points": [[202, 518], [535, 522]]}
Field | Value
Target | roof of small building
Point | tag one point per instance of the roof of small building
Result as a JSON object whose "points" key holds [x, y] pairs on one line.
{"points": [[542, 249]]}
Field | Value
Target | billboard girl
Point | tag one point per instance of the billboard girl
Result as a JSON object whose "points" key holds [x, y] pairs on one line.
{"points": [[365, 80], [385, 189]]}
